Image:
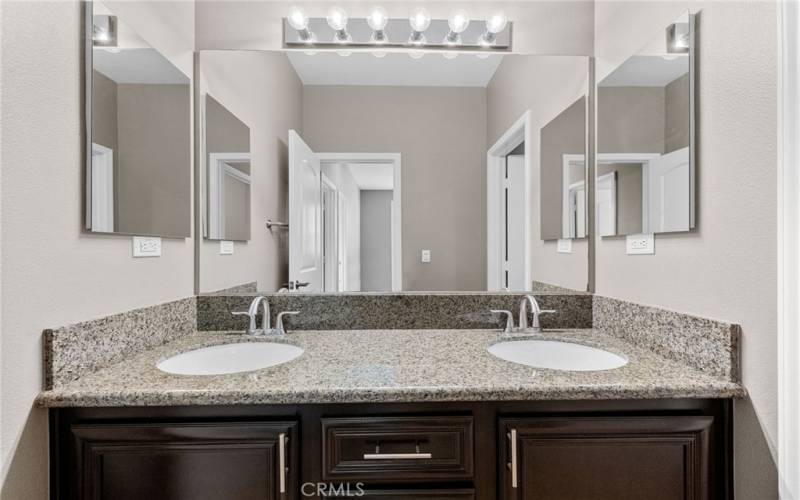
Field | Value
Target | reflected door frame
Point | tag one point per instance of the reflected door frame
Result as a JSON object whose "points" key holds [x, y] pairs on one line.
{"points": [[518, 133], [397, 202]]}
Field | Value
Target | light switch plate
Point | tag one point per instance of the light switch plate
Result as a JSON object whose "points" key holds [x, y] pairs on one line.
{"points": [[640, 244], [426, 256], [564, 246], [146, 246], [225, 247]]}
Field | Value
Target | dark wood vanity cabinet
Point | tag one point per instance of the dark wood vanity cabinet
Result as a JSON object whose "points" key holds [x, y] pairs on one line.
{"points": [[192, 461], [614, 458], [560, 450]]}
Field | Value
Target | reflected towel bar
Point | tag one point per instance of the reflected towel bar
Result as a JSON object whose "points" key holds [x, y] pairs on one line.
{"points": [[271, 224]]}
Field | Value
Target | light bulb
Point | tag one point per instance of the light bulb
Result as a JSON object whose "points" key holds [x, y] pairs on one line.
{"points": [[297, 19], [458, 21], [342, 37], [453, 39], [496, 23], [337, 18], [417, 39], [377, 19], [420, 20]]}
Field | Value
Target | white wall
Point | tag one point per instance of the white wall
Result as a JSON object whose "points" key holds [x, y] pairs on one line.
{"points": [[727, 268], [52, 274], [546, 86], [340, 175], [269, 100]]}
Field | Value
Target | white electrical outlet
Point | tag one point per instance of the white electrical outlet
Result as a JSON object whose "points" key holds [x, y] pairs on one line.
{"points": [[225, 247], [564, 246], [640, 244], [426, 256], [146, 246]]}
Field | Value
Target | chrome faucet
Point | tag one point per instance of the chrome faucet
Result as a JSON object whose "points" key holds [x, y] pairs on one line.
{"points": [[252, 312], [535, 310]]}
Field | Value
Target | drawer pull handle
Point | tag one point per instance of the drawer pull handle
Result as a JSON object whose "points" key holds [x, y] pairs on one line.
{"points": [[396, 456], [282, 439], [417, 455], [512, 436]]}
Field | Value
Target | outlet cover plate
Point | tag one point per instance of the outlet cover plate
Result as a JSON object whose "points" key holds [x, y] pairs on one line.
{"points": [[640, 244], [146, 246], [225, 247], [426, 256], [564, 246]]}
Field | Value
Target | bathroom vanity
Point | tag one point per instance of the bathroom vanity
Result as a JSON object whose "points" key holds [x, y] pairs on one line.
{"points": [[399, 414]]}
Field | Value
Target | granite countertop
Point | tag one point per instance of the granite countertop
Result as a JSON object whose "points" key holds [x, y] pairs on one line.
{"points": [[388, 366]]}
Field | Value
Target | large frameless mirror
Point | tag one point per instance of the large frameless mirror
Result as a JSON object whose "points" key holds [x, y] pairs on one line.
{"points": [[645, 138], [138, 132]]}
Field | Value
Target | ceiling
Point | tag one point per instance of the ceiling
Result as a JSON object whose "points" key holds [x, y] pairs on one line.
{"points": [[432, 70], [372, 175], [648, 71]]}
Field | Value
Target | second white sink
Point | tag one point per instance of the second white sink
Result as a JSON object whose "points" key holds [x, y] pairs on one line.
{"points": [[230, 358], [557, 355]]}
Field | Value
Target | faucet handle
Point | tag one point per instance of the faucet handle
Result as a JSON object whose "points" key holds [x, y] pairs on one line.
{"points": [[509, 319], [279, 328]]}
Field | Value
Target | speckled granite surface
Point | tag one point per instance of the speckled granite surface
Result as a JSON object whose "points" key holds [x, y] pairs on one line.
{"points": [[401, 311], [75, 350], [707, 345], [389, 366]]}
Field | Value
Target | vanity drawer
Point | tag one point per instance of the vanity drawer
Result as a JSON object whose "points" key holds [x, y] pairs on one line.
{"points": [[397, 449]]}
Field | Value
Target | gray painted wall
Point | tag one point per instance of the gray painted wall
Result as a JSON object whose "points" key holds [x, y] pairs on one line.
{"points": [[528, 83], [44, 252], [441, 134], [153, 183], [269, 101], [565, 134], [727, 268], [376, 241]]}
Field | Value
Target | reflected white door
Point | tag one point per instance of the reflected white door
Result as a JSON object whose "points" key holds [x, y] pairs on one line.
{"points": [[102, 178], [668, 192], [305, 217], [515, 223], [607, 204]]}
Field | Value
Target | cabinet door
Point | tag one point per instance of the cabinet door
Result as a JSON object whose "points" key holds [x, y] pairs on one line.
{"points": [[605, 458], [183, 461]]}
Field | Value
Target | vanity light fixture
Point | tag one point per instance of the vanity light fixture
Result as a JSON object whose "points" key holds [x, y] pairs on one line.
{"points": [[336, 32], [494, 25], [377, 20], [419, 20], [298, 20], [458, 22], [337, 20]]}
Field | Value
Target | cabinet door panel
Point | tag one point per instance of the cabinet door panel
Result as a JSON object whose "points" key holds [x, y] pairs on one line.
{"points": [[235, 461], [606, 458]]}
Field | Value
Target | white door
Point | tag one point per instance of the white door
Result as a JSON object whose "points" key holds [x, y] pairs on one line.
{"points": [[305, 217], [330, 235], [607, 204], [102, 178], [668, 192], [515, 224]]}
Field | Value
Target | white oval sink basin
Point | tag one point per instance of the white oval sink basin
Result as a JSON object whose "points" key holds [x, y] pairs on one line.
{"points": [[557, 355], [230, 358]]}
